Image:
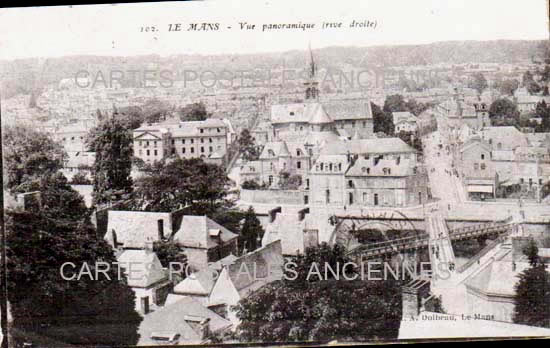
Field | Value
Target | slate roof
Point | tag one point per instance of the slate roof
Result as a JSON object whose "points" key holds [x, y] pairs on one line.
{"points": [[146, 267], [267, 263], [274, 149], [404, 168], [316, 113], [509, 136], [202, 282], [134, 229], [367, 146], [194, 232], [173, 318]]}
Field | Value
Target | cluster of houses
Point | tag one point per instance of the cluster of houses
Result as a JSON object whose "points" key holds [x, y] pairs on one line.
{"points": [[331, 147], [187, 303], [500, 161]]}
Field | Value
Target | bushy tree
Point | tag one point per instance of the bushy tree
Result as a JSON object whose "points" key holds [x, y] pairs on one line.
{"points": [[321, 310], [198, 187], [86, 310], [28, 154], [504, 112], [478, 82], [383, 121], [58, 199], [194, 112], [112, 142], [170, 251], [247, 146], [508, 87], [251, 231], [532, 297]]}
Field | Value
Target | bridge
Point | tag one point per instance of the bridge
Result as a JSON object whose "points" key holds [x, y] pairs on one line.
{"points": [[422, 240]]}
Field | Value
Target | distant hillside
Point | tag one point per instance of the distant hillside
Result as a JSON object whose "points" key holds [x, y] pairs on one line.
{"points": [[24, 75]]}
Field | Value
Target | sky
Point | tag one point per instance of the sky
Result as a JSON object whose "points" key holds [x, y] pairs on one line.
{"points": [[115, 30]]}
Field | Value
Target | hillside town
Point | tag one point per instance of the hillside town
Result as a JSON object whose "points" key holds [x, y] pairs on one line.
{"points": [[192, 185]]}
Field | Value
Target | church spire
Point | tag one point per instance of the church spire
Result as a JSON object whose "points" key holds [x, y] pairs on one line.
{"points": [[312, 67], [312, 90]]}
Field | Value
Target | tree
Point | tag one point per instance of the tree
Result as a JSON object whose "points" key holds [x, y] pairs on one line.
{"points": [[86, 310], [29, 154], [80, 179], [508, 87], [251, 185], [198, 187], [252, 231], [383, 121], [289, 182], [170, 251], [528, 82], [248, 146], [58, 199], [478, 82], [395, 103], [303, 310], [532, 297], [112, 142], [504, 112], [194, 112]]}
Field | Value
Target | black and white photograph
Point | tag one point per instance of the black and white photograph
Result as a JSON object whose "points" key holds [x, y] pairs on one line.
{"points": [[275, 172]]}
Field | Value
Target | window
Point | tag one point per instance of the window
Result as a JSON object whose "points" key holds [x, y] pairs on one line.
{"points": [[270, 179], [368, 170], [183, 150], [147, 143], [339, 166], [173, 151], [476, 166], [298, 153], [350, 183], [192, 150], [218, 130], [202, 148], [521, 180], [148, 152], [202, 130], [156, 153], [192, 141], [364, 124], [183, 141], [299, 165], [482, 166], [330, 167], [202, 140], [173, 141], [327, 196], [210, 149], [322, 166], [155, 143], [209, 140]]}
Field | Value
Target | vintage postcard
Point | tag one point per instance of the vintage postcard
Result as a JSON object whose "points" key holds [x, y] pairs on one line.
{"points": [[275, 172]]}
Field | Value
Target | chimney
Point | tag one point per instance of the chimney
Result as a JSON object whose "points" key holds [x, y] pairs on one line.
{"points": [[160, 225], [115, 241]]}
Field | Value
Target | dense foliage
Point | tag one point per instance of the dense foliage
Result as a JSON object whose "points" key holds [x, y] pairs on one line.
{"points": [[321, 310], [28, 154], [112, 143], [532, 298]]}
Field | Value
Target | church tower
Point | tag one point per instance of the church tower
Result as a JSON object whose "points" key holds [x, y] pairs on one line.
{"points": [[312, 86]]}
